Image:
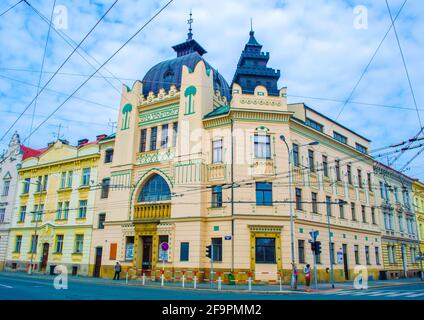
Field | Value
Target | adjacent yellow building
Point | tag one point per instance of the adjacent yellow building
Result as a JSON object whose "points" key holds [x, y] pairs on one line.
{"points": [[53, 217], [418, 190]]}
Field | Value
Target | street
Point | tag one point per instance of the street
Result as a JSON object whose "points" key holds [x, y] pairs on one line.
{"points": [[20, 286]]}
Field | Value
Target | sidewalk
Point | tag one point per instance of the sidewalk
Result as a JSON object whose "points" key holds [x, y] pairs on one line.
{"points": [[256, 288]]}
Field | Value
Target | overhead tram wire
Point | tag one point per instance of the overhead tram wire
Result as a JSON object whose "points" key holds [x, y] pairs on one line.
{"points": [[42, 67], [10, 8], [60, 67], [104, 63]]}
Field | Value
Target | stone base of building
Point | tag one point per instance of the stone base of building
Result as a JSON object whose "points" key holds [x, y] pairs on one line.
{"points": [[398, 274], [23, 266]]}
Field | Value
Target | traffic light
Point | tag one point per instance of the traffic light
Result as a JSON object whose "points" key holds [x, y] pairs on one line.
{"points": [[318, 248], [313, 246], [209, 251]]}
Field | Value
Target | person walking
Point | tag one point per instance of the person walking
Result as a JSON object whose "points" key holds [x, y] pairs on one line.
{"points": [[117, 271], [307, 272]]}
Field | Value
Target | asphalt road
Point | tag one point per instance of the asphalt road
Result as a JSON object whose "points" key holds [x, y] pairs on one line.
{"points": [[24, 287]]}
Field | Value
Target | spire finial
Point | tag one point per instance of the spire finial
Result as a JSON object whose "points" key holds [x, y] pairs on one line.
{"points": [[189, 22], [251, 26]]}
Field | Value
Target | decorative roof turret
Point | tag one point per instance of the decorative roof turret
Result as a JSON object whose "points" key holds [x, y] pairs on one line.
{"points": [[252, 69]]}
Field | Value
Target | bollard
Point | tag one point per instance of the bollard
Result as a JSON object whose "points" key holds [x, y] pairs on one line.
{"points": [[144, 279], [281, 285], [183, 281], [249, 281], [162, 278], [195, 282], [219, 283], [126, 278]]}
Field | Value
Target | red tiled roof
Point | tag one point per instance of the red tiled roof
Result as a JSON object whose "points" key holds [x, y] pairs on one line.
{"points": [[27, 152]]}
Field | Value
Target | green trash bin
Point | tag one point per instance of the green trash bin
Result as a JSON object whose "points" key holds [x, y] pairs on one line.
{"points": [[231, 279]]}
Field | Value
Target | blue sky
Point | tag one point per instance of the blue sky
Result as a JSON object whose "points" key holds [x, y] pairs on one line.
{"points": [[314, 43]]}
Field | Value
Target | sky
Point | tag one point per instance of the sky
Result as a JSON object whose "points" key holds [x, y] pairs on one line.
{"points": [[322, 48]]}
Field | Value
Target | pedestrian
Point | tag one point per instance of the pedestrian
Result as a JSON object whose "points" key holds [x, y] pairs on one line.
{"points": [[117, 271], [295, 275], [307, 271]]}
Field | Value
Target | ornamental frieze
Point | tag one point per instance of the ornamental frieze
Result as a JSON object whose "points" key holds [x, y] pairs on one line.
{"points": [[158, 115]]}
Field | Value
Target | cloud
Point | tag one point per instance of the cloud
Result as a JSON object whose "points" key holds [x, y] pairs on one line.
{"points": [[313, 43]]}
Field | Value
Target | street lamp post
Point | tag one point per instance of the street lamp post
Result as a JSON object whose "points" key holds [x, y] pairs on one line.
{"points": [[282, 138], [36, 226]]}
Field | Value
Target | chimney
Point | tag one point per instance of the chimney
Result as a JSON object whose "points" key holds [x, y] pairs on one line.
{"points": [[82, 142], [100, 137]]}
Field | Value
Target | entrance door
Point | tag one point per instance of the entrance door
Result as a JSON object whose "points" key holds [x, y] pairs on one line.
{"points": [[98, 263], [404, 262], [44, 257], [146, 262], [345, 265]]}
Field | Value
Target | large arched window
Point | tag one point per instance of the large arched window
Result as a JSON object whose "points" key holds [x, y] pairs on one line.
{"points": [[155, 189]]}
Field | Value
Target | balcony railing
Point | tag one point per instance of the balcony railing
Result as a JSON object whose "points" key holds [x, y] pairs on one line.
{"points": [[152, 211], [216, 171]]}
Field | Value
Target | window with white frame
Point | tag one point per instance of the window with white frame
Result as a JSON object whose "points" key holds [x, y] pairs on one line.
{"points": [[262, 146]]}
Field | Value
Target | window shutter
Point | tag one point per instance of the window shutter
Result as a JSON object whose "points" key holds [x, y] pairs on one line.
{"points": [[113, 249]]}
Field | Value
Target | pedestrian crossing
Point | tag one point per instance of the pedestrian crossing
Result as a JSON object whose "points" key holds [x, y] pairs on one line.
{"points": [[380, 293]]}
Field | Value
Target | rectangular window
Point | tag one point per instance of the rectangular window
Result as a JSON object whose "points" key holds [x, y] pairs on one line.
{"points": [[38, 213], [356, 250], [364, 214], [6, 188], [395, 191], [184, 251], [46, 178], [102, 219], [217, 249], [153, 138], [361, 148], [341, 209], [108, 155], [353, 211], [382, 190], [59, 210], [367, 255], [217, 151], [79, 243], [70, 175], [360, 179], [262, 144], [349, 174], [66, 210], [325, 165], [311, 160], [82, 210], [39, 184], [374, 221], [216, 197], [369, 181], [27, 183], [301, 249], [22, 214], [112, 251], [328, 205], [174, 134], [296, 161], [105, 188], [59, 243], [337, 167], [377, 256], [18, 243], [34, 242], [263, 193], [298, 193], [164, 136], [339, 137], [265, 250], [63, 180], [314, 202], [86, 176], [143, 137], [313, 124]]}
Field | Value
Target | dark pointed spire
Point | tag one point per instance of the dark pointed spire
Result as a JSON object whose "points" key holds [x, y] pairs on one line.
{"points": [[190, 45], [189, 22]]}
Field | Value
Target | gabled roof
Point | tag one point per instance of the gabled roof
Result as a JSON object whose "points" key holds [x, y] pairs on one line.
{"points": [[28, 152]]}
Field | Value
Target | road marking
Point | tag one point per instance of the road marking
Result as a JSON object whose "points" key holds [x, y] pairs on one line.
{"points": [[416, 295], [5, 286]]}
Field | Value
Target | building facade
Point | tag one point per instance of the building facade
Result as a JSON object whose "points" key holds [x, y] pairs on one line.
{"points": [[52, 222], [195, 162], [400, 241], [418, 190]]}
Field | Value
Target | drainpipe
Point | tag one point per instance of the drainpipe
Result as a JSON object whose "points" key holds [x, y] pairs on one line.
{"points": [[232, 195]]}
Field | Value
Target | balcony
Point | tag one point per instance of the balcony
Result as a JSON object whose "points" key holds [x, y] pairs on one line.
{"points": [[263, 167], [216, 171], [152, 211], [154, 156]]}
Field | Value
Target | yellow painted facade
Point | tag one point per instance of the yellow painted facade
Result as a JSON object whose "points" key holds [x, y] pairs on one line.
{"points": [[60, 233], [418, 190]]}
